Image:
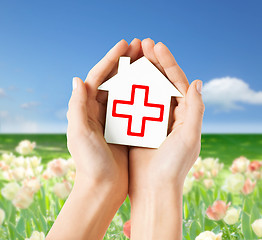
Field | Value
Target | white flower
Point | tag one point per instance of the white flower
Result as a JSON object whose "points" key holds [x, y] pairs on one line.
{"points": [[71, 175], [232, 216], [18, 173], [58, 166], [37, 236], [33, 184], [62, 190], [10, 190], [19, 162], [25, 147], [34, 161], [188, 184], [257, 227], [240, 165], [71, 164], [47, 174], [212, 163], [8, 157], [209, 183], [2, 216], [4, 166], [198, 164], [23, 198], [234, 183], [207, 235], [7, 175]]}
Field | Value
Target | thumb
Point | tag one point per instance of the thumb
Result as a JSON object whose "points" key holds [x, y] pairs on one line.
{"points": [[77, 107], [194, 112]]}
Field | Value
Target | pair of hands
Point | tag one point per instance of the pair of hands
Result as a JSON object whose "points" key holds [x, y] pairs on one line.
{"points": [[131, 169], [106, 173]]}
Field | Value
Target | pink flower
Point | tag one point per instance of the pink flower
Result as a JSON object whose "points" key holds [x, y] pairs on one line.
{"points": [[218, 210], [58, 167], [33, 184], [23, 198], [254, 166], [199, 174], [127, 229], [63, 189], [4, 166], [240, 165], [248, 187]]}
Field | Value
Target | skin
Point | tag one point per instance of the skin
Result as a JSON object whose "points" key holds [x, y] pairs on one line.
{"points": [[106, 173], [156, 176], [101, 168]]}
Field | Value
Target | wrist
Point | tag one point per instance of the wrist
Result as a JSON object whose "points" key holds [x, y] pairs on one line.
{"points": [[150, 188], [106, 189], [155, 210]]}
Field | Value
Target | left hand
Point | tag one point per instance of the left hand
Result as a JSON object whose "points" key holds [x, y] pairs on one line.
{"points": [[170, 163]]}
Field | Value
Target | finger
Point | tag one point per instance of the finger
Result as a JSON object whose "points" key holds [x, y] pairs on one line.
{"points": [[133, 52], [102, 69], [194, 112], [134, 49], [171, 68], [148, 50], [77, 107]]}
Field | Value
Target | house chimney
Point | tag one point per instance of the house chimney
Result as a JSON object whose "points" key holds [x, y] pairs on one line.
{"points": [[124, 63]]}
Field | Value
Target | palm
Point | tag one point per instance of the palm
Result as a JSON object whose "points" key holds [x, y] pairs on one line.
{"points": [[171, 158], [111, 160]]}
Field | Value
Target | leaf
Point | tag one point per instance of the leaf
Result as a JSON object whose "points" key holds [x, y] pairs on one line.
{"points": [[43, 223], [209, 224], [246, 226], [42, 202], [254, 213], [13, 232], [248, 203], [216, 230], [186, 211], [195, 229], [20, 226], [204, 195], [230, 198], [197, 196]]}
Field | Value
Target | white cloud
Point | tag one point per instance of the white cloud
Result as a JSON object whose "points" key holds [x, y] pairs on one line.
{"points": [[229, 127], [19, 124], [229, 93], [30, 90], [3, 114], [29, 105], [2, 92], [61, 114]]}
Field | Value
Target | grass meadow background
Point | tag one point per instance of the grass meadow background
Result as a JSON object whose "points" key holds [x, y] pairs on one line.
{"points": [[40, 215]]}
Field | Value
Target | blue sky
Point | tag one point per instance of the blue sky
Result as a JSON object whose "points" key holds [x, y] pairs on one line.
{"points": [[44, 44]]}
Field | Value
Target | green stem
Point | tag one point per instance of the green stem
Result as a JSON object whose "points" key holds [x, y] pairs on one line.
{"points": [[225, 225]]}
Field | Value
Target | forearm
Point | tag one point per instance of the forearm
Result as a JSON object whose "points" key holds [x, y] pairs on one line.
{"points": [[157, 214], [86, 214]]}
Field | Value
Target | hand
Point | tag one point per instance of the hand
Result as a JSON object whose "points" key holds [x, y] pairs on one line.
{"points": [[101, 181], [97, 161], [157, 175]]}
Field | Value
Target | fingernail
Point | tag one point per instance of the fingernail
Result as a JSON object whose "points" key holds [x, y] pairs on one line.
{"points": [[74, 83], [133, 39], [199, 87]]}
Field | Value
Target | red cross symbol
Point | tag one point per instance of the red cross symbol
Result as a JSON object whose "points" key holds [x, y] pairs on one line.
{"points": [[138, 110]]}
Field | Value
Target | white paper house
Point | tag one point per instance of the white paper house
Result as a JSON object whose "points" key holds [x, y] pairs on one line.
{"points": [[138, 104]]}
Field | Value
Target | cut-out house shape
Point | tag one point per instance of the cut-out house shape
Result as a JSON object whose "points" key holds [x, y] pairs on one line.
{"points": [[138, 104]]}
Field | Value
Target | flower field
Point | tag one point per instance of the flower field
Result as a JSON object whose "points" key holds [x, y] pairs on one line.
{"points": [[222, 192]]}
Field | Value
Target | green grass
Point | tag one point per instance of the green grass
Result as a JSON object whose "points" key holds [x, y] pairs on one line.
{"points": [[49, 146], [226, 147]]}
